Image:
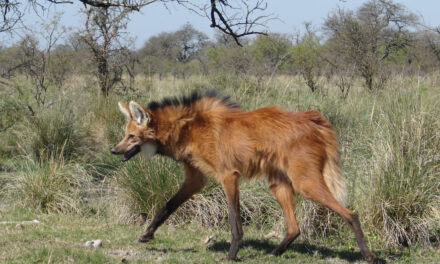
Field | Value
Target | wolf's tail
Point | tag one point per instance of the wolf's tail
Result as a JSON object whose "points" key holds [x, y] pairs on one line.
{"points": [[332, 174], [332, 171]]}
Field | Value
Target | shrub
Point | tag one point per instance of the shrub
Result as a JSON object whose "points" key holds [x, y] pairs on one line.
{"points": [[404, 185], [10, 114], [54, 132], [52, 185], [143, 187]]}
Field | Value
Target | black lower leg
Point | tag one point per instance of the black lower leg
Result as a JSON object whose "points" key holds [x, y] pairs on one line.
{"points": [[284, 244], [237, 232], [159, 218], [193, 183], [357, 230]]}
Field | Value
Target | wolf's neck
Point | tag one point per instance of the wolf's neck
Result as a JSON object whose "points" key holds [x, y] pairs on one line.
{"points": [[173, 129]]}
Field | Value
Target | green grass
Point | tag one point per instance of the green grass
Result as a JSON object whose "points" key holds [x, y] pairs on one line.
{"points": [[60, 238], [389, 144]]}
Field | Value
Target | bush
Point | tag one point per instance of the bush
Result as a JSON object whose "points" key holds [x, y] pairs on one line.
{"points": [[143, 187], [10, 114], [55, 132], [404, 186], [51, 185], [306, 56]]}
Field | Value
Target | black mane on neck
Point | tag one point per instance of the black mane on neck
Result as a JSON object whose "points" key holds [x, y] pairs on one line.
{"points": [[187, 100]]}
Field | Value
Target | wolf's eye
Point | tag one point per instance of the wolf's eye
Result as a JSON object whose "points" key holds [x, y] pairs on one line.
{"points": [[130, 136]]}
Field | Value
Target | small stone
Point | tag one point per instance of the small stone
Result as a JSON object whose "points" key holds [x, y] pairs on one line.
{"points": [[97, 243], [88, 244]]}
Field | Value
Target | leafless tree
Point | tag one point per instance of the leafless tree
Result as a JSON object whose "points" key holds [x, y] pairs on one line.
{"points": [[37, 63], [130, 60], [236, 18], [104, 34], [11, 15]]}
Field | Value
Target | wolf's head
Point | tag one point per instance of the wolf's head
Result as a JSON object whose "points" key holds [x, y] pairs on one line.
{"points": [[139, 135]]}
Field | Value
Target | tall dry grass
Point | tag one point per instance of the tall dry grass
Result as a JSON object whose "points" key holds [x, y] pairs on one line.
{"points": [[404, 168], [389, 144]]}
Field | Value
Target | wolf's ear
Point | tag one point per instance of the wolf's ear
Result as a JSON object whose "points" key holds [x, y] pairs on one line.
{"points": [[125, 110], [138, 113]]}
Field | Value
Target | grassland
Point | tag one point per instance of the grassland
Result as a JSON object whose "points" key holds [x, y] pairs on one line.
{"points": [[55, 167], [61, 238]]}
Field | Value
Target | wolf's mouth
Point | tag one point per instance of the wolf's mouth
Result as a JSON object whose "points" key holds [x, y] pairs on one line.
{"points": [[129, 154]]}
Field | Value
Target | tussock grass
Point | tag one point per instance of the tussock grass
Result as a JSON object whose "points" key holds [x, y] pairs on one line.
{"points": [[52, 185], [143, 187], [54, 132], [405, 169], [209, 208]]}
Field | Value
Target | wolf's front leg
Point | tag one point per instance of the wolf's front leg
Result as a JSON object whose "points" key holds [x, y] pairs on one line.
{"points": [[194, 182]]}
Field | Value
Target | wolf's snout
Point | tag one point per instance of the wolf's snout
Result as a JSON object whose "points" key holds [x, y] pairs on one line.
{"points": [[115, 151]]}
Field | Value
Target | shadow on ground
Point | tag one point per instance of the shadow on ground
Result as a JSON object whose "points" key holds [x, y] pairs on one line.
{"points": [[301, 247]]}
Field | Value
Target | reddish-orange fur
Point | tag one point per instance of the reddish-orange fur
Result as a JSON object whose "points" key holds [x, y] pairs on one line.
{"points": [[297, 151]]}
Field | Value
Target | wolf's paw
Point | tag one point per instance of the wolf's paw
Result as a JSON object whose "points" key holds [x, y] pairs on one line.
{"points": [[371, 258], [146, 238]]}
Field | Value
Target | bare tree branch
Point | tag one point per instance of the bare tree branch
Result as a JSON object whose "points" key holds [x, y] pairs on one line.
{"points": [[11, 15], [130, 4], [103, 32], [236, 18]]}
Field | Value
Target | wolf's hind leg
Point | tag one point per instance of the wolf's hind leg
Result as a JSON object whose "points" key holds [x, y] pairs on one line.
{"points": [[230, 186], [281, 187], [314, 188]]}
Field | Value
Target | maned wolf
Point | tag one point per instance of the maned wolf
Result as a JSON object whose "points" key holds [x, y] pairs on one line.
{"points": [[297, 151]]}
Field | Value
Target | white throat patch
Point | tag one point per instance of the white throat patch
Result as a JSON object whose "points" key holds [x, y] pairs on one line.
{"points": [[149, 149]]}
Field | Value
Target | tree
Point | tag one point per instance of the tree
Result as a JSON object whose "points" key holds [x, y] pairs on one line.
{"points": [[433, 38], [236, 18], [104, 35], [233, 18], [9, 61], [38, 64], [226, 56], [366, 38], [306, 57], [61, 64], [11, 15], [271, 53], [182, 45], [170, 50]]}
